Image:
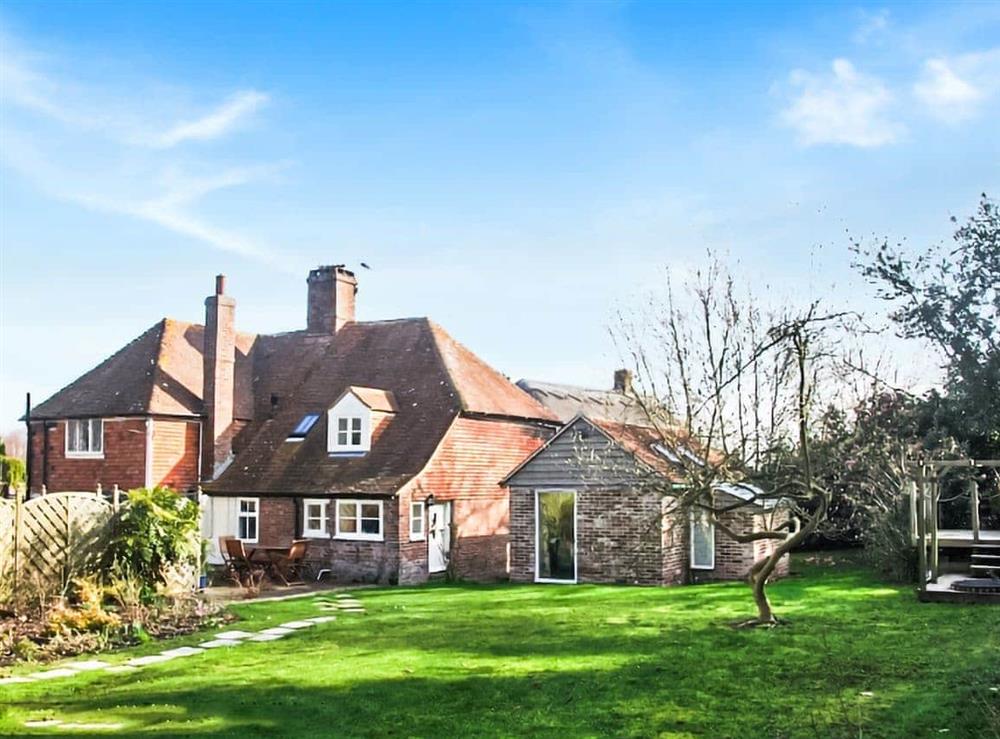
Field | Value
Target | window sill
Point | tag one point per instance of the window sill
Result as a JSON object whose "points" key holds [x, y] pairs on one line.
{"points": [[421, 537], [347, 452], [84, 455], [359, 537], [315, 535], [703, 567]]}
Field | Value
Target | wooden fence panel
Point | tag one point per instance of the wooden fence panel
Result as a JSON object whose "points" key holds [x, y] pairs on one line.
{"points": [[47, 541]]}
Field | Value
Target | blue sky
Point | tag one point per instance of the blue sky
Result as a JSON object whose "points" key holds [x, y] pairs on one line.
{"points": [[518, 172]]}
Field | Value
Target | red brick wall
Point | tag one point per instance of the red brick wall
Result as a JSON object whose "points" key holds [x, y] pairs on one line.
{"points": [[123, 462], [733, 560], [349, 561], [466, 469], [175, 453]]}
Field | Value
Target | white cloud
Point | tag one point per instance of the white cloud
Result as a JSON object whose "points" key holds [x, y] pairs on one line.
{"points": [[847, 107], [954, 89], [95, 146], [217, 123]]}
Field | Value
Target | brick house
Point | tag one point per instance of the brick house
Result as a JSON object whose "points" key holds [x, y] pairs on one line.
{"points": [[589, 505], [381, 441]]}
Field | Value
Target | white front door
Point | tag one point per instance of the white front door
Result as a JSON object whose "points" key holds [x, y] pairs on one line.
{"points": [[438, 536]]}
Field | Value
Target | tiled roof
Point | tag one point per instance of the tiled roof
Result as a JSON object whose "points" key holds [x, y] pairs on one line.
{"points": [[159, 373], [641, 443], [569, 401], [377, 400], [429, 376]]}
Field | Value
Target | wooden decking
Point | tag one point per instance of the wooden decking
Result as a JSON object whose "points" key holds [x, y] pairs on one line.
{"points": [[941, 592], [963, 538]]}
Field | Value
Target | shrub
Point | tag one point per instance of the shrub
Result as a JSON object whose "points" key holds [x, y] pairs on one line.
{"points": [[887, 546], [156, 529], [12, 471]]}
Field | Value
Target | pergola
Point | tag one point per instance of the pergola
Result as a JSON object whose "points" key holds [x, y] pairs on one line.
{"points": [[924, 501]]}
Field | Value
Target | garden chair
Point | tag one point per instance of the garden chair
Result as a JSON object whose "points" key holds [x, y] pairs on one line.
{"points": [[241, 567], [227, 561], [290, 567]]}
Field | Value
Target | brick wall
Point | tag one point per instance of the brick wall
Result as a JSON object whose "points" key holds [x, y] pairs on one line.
{"points": [[733, 560], [123, 462], [350, 561], [676, 546], [466, 469], [175, 453], [619, 537]]}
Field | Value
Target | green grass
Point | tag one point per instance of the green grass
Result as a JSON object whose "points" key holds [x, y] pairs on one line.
{"points": [[567, 661]]}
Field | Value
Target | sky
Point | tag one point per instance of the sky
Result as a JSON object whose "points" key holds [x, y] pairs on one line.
{"points": [[518, 172]]}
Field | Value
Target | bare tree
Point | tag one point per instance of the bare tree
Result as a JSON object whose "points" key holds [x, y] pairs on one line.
{"points": [[730, 391], [15, 443]]}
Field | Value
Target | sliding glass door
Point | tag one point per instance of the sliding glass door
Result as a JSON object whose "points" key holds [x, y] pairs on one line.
{"points": [[556, 545]]}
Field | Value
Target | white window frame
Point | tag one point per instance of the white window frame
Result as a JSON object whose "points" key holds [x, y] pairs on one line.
{"points": [[313, 533], [711, 529], [576, 535], [86, 454], [359, 535], [422, 534], [351, 409], [240, 514]]}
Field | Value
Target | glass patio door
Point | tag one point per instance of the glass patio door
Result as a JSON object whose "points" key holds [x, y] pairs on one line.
{"points": [[556, 545]]}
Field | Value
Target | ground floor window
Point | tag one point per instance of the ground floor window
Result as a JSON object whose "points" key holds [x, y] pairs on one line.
{"points": [[417, 522], [85, 437], [247, 519], [314, 518], [702, 540], [359, 519], [556, 528]]}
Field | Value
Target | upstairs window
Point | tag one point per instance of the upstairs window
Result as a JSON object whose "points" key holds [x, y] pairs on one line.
{"points": [[349, 432], [85, 437], [300, 431]]}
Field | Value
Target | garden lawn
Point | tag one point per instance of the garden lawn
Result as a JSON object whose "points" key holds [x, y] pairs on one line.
{"points": [[860, 659]]}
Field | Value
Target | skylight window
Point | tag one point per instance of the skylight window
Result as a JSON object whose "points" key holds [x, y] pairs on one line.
{"points": [[300, 431], [674, 455]]}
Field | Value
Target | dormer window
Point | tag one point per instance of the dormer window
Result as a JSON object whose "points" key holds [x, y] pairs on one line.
{"points": [[352, 418], [349, 432]]}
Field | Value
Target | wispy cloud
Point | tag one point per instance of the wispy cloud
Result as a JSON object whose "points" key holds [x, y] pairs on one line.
{"points": [[845, 107], [217, 123], [120, 158], [871, 25], [953, 89]]}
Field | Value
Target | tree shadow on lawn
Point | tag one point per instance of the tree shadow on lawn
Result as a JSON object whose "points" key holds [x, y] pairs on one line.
{"points": [[634, 700]]}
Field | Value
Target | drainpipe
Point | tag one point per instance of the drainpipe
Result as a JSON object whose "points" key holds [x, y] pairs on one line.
{"points": [[27, 425], [148, 477]]}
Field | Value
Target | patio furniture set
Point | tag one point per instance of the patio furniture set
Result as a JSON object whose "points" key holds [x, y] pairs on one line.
{"points": [[249, 564]]}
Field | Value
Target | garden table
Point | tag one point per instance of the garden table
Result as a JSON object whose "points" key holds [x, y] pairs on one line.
{"points": [[271, 555]]}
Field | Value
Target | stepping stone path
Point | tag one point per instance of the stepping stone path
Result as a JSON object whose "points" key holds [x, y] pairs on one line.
{"points": [[344, 603]]}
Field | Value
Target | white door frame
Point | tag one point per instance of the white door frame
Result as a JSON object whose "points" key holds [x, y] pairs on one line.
{"points": [[576, 561], [446, 510]]}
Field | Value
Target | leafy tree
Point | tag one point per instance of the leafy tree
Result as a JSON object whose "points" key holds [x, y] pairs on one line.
{"points": [[949, 295]]}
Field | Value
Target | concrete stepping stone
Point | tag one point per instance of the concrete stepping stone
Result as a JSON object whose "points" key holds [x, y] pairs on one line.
{"points": [[182, 651], [50, 674], [352, 610], [236, 634], [349, 603], [15, 679], [220, 643], [91, 727], [322, 619], [266, 637], [342, 595], [94, 664], [42, 723], [152, 659], [277, 631], [296, 625], [121, 668]]}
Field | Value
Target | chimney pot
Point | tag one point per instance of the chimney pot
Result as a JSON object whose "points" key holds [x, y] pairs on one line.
{"points": [[220, 284], [623, 381]]}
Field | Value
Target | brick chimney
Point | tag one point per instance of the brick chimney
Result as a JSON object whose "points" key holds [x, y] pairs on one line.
{"points": [[331, 299], [219, 355], [623, 381]]}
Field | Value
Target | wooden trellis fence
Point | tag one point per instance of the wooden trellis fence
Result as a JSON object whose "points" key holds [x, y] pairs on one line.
{"points": [[47, 541]]}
